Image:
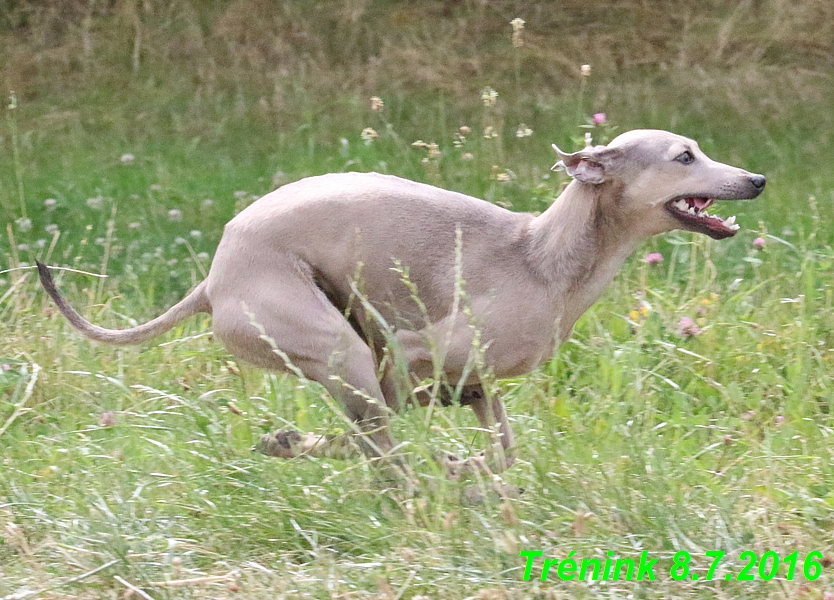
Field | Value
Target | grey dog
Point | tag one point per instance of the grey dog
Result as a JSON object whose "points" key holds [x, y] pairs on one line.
{"points": [[343, 277]]}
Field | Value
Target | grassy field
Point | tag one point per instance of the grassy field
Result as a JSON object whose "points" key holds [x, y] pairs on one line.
{"points": [[125, 471]]}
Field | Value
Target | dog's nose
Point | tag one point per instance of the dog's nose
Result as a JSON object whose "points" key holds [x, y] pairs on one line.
{"points": [[758, 181]]}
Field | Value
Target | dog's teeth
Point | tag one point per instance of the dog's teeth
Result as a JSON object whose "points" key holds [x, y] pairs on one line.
{"points": [[681, 204], [735, 227], [691, 210], [730, 220]]}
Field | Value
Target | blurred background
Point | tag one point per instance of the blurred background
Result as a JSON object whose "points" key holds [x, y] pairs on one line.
{"points": [[213, 98]]}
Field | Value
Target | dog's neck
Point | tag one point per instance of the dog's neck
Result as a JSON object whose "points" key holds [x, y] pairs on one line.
{"points": [[578, 245]]}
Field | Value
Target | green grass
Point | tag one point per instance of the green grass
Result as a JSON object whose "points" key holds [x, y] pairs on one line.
{"points": [[631, 438]]}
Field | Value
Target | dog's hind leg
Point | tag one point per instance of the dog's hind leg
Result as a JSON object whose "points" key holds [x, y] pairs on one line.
{"points": [[499, 456], [282, 317]]}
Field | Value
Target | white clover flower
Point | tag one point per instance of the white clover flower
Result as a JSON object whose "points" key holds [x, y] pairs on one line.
{"points": [[23, 247], [196, 234], [155, 187], [24, 224], [50, 203], [585, 70], [241, 194], [51, 229], [175, 214], [134, 225], [207, 203], [489, 97], [180, 241], [127, 158], [523, 131], [40, 243], [368, 135], [203, 255], [518, 24], [377, 105]]}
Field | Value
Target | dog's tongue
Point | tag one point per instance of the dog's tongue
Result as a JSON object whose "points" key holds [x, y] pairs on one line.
{"points": [[699, 203]]}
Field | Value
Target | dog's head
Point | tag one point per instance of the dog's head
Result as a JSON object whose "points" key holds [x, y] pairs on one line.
{"points": [[665, 181]]}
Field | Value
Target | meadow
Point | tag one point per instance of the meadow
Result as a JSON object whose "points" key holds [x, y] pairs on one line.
{"points": [[692, 410]]}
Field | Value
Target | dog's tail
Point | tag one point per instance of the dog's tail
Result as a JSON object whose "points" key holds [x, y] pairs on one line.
{"points": [[193, 303]]}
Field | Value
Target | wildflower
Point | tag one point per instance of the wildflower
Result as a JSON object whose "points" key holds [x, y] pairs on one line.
{"points": [[489, 133], [523, 131], [419, 144], [127, 158], [589, 139], [780, 420], [5, 367], [377, 105], [653, 258], [518, 27], [688, 328], [51, 229], [489, 97], [175, 214], [41, 243], [50, 203], [95, 203], [467, 156], [155, 187], [599, 119], [434, 151], [642, 311], [196, 234], [23, 247], [107, 419], [203, 255], [24, 224], [368, 135], [180, 241], [585, 70], [241, 194], [464, 130], [134, 225], [759, 242], [207, 203]]}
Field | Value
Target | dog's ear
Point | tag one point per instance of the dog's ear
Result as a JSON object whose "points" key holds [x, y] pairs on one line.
{"points": [[591, 165]]}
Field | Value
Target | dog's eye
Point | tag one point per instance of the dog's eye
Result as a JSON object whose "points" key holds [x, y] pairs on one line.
{"points": [[685, 157]]}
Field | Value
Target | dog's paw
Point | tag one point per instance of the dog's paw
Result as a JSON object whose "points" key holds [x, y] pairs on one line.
{"points": [[457, 467], [284, 443]]}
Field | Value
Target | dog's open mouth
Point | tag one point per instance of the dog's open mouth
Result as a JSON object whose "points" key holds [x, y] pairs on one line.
{"points": [[692, 212]]}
